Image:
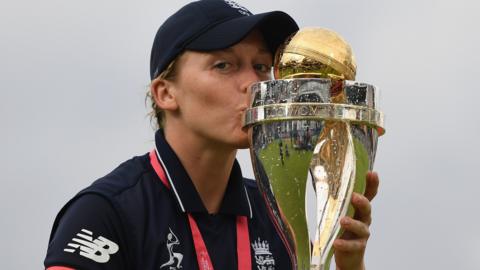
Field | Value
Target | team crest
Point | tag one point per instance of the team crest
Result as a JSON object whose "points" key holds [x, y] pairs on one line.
{"points": [[175, 258], [263, 256]]}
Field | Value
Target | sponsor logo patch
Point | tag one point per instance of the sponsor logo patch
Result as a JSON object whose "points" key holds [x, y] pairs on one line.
{"points": [[98, 250]]}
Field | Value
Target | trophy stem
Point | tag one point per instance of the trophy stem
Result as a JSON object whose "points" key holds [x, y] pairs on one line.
{"points": [[333, 173], [326, 264]]}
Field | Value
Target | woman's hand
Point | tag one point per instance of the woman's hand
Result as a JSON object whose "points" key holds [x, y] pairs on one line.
{"points": [[350, 247]]}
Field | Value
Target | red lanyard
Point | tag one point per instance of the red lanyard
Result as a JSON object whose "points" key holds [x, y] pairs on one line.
{"points": [[203, 259]]}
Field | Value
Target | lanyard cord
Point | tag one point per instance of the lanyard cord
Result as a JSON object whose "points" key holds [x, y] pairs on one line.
{"points": [[203, 258]]}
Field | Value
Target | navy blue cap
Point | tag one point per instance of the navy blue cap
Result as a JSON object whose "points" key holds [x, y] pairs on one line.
{"points": [[208, 25]]}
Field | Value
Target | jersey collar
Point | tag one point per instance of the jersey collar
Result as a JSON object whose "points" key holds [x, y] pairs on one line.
{"points": [[235, 200]]}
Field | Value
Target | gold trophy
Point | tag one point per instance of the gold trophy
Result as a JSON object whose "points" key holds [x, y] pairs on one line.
{"points": [[312, 119]]}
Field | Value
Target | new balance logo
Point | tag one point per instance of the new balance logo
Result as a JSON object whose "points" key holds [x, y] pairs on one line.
{"points": [[98, 250]]}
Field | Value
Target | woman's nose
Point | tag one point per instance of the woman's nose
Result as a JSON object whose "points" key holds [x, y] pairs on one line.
{"points": [[249, 76]]}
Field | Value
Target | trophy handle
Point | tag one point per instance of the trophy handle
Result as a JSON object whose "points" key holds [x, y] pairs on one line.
{"points": [[333, 170]]}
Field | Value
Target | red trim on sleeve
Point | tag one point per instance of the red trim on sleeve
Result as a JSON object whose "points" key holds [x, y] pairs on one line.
{"points": [[59, 268]]}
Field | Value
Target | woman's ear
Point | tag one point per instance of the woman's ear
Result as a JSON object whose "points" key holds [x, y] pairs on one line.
{"points": [[163, 93]]}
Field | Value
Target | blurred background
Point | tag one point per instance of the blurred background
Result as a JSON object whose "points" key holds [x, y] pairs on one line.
{"points": [[73, 77]]}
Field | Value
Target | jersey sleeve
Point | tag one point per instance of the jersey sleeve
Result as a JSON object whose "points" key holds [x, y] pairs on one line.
{"points": [[87, 234]]}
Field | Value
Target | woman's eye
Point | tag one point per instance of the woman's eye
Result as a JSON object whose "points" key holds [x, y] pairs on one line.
{"points": [[222, 65], [262, 68]]}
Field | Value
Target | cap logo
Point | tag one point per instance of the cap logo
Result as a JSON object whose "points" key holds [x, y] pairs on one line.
{"points": [[242, 10]]}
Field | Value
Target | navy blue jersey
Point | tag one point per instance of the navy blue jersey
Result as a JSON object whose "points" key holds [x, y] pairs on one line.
{"points": [[130, 220]]}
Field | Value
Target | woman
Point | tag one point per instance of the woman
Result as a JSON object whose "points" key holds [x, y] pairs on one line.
{"points": [[185, 205]]}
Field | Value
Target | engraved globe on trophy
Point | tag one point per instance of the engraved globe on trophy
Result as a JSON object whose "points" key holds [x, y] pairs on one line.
{"points": [[312, 119]]}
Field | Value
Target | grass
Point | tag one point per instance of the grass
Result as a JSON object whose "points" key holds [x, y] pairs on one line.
{"points": [[288, 183]]}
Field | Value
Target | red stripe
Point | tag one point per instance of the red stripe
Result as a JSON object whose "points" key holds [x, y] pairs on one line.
{"points": [[203, 259], [243, 244], [59, 268], [158, 168]]}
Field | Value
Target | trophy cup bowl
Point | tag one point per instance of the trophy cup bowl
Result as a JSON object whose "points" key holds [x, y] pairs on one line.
{"points": [[312, 120]]}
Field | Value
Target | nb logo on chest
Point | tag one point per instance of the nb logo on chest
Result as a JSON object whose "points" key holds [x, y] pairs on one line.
{"points": [[98, 250]]}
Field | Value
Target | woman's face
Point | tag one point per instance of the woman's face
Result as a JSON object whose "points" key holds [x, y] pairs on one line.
{"points": [[211, 90]]}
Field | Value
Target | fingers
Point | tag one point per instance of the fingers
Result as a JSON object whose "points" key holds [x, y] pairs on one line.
{"points": [[356, 227], [357, 245], [355, 236], [363, 208], [372, 185], [350, 248]]}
